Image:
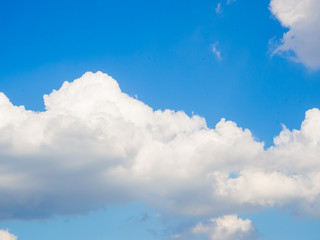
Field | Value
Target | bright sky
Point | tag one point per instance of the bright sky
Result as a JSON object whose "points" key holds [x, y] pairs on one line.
{"points": [[188, 120]]}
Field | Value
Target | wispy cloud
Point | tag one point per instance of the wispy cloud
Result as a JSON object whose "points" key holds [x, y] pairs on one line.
{"points": [[230, 1], [218, 8], [214, 49]]}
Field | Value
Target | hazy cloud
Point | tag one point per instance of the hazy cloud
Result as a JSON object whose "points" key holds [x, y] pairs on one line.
{"points": [[218, 8], [214, 49], [230, 1]]}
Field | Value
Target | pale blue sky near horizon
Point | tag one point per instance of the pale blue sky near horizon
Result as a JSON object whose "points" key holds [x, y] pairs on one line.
{"points": [[161, 52]]}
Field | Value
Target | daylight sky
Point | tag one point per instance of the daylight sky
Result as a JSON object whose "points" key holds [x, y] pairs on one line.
{"points": [[190, 120]]}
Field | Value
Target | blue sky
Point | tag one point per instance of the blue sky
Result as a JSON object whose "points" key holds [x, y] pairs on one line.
{"points": [[165, 55]]}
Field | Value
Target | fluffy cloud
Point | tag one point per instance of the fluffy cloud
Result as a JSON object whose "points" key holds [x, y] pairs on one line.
{"points": [[228, 227], [95, 145], [5, 235], [301, 42]]}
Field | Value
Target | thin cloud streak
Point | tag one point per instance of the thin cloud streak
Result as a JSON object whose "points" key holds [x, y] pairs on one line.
{"points": [[215, 50], [218, 8]]}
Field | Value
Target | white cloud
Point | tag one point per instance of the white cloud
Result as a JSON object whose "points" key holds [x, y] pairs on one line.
{"points": [[95, 145], [228, 227], [5, 235], [301, 42], [218, 8], [230, 1], [216, 51], [176, 236]]}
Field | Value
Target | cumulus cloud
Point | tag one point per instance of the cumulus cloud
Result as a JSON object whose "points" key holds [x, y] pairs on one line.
{"points": [[301, 41], [95, 145], [290, 175], [5, 235], [228, 227]]}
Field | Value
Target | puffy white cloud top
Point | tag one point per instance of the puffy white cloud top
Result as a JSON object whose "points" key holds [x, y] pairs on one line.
{"points": [[302, 18], [228, 227], [5, 235], [95, 145]]}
